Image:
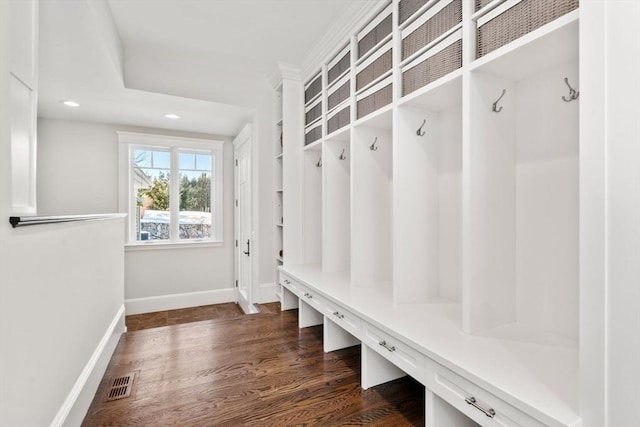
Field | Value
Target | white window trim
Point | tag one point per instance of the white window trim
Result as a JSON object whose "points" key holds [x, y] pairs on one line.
{"points": [[127, 140]]}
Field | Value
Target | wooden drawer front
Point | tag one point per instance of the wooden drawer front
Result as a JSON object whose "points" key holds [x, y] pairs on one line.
{"points": [[311, 298], [474, 401], [398, 353], [347, 320]]}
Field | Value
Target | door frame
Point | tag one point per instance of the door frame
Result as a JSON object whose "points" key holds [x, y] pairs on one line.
{"points": [[248, 305]]}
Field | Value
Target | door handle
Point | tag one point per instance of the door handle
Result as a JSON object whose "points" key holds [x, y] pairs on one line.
{"points": [[248, 251]]}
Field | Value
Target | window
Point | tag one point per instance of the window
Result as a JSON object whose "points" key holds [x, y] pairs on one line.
{"points": [[172, 188]]}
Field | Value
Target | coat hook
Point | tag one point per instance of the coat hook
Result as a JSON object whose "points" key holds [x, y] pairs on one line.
{"points": [[342, 156], [495, 108], [373, 147], [573, 94], [319, 164], [420, 132]]}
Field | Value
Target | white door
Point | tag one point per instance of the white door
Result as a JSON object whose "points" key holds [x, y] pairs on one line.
{"points": [[243, 228]]}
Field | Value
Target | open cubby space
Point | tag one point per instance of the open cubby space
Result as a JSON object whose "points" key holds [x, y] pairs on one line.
{"points": [[428, 205], [440, 413], [554, 43], [371, 196], [337, 205], [312, 206], [522, 207]]}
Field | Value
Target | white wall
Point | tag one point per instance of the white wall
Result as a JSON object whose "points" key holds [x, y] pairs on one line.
{"points": [[245, 88], [61, 297], [78, 173], [77, 168]]}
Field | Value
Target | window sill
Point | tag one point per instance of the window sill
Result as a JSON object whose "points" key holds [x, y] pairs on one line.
{"points": [[152, 246]]}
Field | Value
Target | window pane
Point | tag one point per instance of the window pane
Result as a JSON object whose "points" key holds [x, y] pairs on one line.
{"points": [[161, 159], [151, 178], [203, 162], [187, 161], [195, 198]]}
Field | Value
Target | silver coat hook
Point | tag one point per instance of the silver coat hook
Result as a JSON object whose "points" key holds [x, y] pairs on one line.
{"points": [[495, 108], [373, 147], [342, 156], [573, 94], [319, 164], [420, 132]]}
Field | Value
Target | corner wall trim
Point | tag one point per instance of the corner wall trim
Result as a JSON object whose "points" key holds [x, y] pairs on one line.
{"points": [[267, 293], [77, 403], [176, 301]]}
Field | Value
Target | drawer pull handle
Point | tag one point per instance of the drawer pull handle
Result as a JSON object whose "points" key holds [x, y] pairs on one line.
{"points": [[385, 345], [488, 412], [338, 315], [287, 281], [308, 295]]}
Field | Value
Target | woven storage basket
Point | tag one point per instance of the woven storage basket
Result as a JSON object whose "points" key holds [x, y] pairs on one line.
{"points": [[375, 101], [521, 19], [339, 68], [408, 8], [442, 63], [339, 95], [313, 113], [374, 70], [313, 89], [374, 36], [434, 27], [313, 135], [339, 120], [482, 3]]}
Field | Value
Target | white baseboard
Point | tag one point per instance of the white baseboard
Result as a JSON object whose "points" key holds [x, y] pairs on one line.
{"points": [[268, 292], [75, 406], [176, 301]]}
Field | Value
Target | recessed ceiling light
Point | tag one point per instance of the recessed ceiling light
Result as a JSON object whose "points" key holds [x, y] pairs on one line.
{"points": [[70, 103], [172, 116]]}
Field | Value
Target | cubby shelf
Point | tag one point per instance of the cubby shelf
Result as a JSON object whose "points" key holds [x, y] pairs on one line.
{"points": [[449, 216], [279, 160]]}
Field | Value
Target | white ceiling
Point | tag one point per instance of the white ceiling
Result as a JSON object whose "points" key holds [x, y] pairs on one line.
{"points": [[132, 61], [246, 33]]}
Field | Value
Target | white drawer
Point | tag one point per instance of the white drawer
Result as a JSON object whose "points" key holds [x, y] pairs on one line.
{"points": [[310, 297], [394, 350], [474, 401], [347, 320], [289, 283]]}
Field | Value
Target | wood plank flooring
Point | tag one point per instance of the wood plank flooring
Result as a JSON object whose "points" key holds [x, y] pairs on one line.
{"points": [[258, 370], [138, 322]]}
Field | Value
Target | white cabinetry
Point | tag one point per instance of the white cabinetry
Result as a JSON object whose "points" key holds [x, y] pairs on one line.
{"points": [[453, 212], [278, 154]]}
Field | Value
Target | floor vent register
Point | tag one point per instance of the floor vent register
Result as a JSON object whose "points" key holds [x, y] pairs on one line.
{"points": [[120, 387]]}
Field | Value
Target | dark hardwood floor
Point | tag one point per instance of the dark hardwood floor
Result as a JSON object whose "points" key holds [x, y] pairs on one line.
{"points": [[258, 370], [138, 322]]}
